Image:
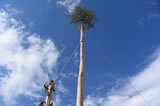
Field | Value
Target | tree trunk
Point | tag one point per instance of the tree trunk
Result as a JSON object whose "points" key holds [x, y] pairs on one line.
{"points": [[81, 71]]}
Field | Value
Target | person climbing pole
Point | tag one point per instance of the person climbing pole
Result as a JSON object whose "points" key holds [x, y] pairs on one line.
{"points": [[52, 83], [49, 93]]}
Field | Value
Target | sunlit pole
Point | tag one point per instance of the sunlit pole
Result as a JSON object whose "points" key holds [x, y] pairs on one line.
{"points": [[81, 71], [49, 94]]}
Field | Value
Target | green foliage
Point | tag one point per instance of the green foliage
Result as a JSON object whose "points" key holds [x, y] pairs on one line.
{"points": [[84, 16]]}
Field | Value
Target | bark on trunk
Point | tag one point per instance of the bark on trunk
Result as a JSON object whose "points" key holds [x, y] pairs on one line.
{"points": [[81, 71]]}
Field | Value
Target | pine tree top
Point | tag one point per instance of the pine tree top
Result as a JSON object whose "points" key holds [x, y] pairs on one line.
{"points": [[81, 15]]}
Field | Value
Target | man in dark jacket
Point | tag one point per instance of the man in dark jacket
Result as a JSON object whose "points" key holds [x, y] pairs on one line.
{"points": [[51, 104], [46, 88], [41, 103]]}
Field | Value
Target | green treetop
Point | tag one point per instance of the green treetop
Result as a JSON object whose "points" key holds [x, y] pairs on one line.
{"points": [[82, 16]]}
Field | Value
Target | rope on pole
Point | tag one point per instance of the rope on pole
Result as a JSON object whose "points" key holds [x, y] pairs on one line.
{"points": [[50, 88], [66, 63]]}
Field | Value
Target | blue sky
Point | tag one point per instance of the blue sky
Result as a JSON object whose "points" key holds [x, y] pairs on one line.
{"points": [[36, 38]]}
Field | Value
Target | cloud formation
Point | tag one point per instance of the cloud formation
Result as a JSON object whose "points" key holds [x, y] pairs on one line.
{"points": [[26, 60], [155, 2], [57, 101], [140, 22], [69, 4], [61, 88], [141, 90], [153, 15], [12, 10]]}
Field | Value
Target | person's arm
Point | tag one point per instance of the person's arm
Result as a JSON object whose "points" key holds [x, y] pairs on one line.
{"points": [[45, 86]]}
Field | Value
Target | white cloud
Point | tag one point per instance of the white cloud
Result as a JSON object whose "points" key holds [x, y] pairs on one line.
{"points": [[76, 58], [61, 88], [140, 22], [27, 59], [100, 87], [69, 75], [69, 105], [141, 90], [12, 10], [153, 15], [69, 4], [93, 101], [48, 1], [57, 101]]}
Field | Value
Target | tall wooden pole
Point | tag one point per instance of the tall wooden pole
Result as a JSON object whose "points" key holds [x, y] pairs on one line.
{"points": [[49, 94], [81, 71]]}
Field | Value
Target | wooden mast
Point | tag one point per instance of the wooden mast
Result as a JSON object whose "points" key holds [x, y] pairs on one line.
{"points": [[81, 70], [49, 94]]}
